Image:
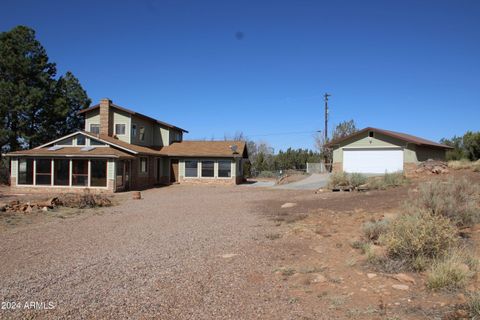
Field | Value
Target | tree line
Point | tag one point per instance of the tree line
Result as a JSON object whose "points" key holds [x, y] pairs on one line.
{"points": [[36, 106], [263, 158], [464, 147]]}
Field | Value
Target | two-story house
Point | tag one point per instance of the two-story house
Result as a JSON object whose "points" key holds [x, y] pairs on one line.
{"points": [[120, 149]]}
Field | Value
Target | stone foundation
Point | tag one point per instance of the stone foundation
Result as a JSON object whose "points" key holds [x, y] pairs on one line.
{"points": [[57, 189], [213, 181]]}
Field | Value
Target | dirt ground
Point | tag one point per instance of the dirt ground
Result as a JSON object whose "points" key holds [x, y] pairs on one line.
{"points": [[205, 252]]}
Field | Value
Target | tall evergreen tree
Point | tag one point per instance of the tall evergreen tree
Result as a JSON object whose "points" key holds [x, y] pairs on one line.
{"points": [[26, 79], [34, 106]]}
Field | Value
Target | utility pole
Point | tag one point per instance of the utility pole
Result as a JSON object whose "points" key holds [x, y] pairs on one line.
{"points": [[326, 95]]}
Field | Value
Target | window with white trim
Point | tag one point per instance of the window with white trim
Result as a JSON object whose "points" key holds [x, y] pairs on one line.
{"points": [[98, 173], [25, 171], [191, 168], [43, 172], [208, 169], [80, 140], [224, 168], [61, 173], [80, 172]]}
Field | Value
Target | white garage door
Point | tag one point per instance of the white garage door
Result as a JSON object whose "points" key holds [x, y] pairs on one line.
{"points": [[372, 160]]}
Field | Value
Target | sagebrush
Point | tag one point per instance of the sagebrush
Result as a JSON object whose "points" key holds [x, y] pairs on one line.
{"points": [[455, 199], [419, 234]]}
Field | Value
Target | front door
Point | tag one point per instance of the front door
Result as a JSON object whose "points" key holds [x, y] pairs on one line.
{"points": [[173, 170]]}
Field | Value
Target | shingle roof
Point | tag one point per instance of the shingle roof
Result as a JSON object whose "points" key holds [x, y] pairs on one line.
{"points": [[205, 149], [73, 151], [112, 105], [402, 136], [126, 145]]}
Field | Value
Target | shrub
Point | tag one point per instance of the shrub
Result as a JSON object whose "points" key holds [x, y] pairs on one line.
{"points": [[339, 179], [387, 180], [420, 234], [455, 199], [373, 229], [474, 305], [450, 272], [357, 179], [460, 164]]}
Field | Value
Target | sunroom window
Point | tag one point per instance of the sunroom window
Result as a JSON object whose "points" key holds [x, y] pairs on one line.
{"points": [[61, 175], [80, 173], [98, 169], [25, 171], [43, 172]]}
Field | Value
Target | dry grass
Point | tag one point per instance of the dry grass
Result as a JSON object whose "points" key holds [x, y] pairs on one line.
{"points": [[474, 305], [388, 180], [450, 272], [457, 200], [372, 230], [464, 164], [419, 234]]}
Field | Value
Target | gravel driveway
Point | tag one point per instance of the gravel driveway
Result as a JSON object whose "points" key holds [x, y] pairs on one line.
{"points": [[160, 257]]}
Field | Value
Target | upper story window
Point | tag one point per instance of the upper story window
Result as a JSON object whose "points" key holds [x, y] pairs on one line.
{"points": [[142, 133], [177, 136], [80, 140], [94, 128], [134, 131], [65, 142], [370, 134], [120, 129]]}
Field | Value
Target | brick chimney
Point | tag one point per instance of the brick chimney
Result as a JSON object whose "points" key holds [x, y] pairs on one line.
{"points": [[106, 121]]}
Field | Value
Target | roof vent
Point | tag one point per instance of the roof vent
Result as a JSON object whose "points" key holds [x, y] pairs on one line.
{"points": [[55, 148], [234, 148], [88, 148]]}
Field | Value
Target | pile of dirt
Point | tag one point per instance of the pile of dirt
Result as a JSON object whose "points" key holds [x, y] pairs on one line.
{"points": [[80, 201], [432, 167], [86, 200]]}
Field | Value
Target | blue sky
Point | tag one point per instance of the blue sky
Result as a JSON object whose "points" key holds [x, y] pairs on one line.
{"points": [[409, 66]]}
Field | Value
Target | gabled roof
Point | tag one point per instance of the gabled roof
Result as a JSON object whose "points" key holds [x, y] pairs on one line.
{"points": [[119, 148], [131, 112], [206, 149], [398, 135], [100, 152]]}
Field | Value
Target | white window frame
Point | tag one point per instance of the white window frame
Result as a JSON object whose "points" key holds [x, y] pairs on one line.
{"points": [[218, 169], [185, 168], [34, 185]]}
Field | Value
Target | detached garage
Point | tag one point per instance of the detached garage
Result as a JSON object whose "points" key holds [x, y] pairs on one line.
{"points": [[376, 151]]}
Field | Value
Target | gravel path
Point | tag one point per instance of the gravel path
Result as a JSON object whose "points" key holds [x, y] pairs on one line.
{"points": [[160, 257]]}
